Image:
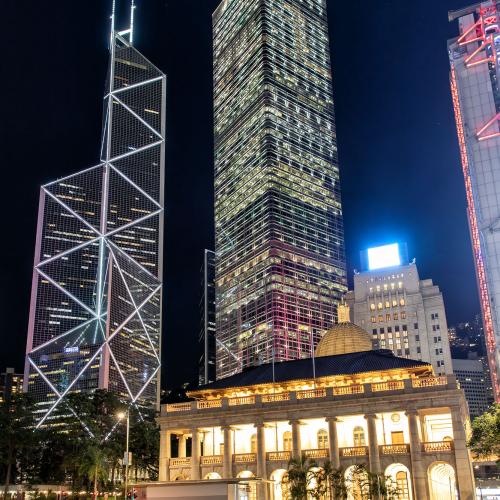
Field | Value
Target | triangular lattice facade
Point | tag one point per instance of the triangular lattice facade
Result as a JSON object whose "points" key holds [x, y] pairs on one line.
{"points": [[95, 319]]}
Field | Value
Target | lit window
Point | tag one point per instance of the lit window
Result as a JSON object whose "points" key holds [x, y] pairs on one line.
{"points": [[380, 305], [401, 302], [372, 307], [359, 436], [322, 439]]}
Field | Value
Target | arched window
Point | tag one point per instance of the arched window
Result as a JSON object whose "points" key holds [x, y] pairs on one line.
{"points": [[359, 436], [402, 485], [287, 441], [322, 439], [253, 443]]}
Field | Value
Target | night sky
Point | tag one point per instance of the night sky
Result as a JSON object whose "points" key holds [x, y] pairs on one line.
{"points": [[399, 159]]}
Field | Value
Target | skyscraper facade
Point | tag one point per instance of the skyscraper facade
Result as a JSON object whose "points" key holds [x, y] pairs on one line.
{"points": [[95, 318], [206, 364], [280, 263], [476, 99]]}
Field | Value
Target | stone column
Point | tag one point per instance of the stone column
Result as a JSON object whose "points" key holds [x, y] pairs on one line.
{"points": [[333, 442], [227, 459], [374, 457], [165, 455], [463, 472], [261, 460], [418, 472], [195, 455], [182, 445], [296, 449]]}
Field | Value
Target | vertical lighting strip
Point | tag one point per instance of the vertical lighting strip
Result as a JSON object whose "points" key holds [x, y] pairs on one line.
{"points": [[476, 243]]}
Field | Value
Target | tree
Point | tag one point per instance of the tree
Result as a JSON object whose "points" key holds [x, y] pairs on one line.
{"points": [[304, 479], [16, 437], [485, 438], [95, 465], [145, 444]]}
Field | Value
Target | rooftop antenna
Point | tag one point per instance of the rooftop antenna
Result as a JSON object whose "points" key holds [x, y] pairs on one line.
{"points": [[112, 33], [130, 30], [132, 8]]}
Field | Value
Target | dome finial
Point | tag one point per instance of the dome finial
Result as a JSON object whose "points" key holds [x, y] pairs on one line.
{"points": [[343, 313]]}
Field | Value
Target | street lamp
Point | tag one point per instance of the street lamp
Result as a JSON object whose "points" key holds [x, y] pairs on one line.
{"points": [[121, 416]]}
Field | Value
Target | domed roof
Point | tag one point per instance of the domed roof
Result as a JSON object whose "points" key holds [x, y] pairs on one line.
{"points": [[344, 337]]}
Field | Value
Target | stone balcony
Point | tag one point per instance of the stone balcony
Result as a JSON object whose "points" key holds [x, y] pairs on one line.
{"points": [[340, 393]]}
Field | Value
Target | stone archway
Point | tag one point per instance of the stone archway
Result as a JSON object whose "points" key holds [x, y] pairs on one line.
{"points": [[247, 490], [356, 482], [400, 476], [212, 475], [442, 481], [277, 478]]}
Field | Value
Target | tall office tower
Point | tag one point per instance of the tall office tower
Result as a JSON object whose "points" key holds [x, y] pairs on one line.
{"points": [[95, 318], [207, 324], [402, 312], [474, 80], [280, 266], [472, 378]]}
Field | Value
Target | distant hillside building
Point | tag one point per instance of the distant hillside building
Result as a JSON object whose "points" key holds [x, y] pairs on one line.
{"points": [[399, 310]]}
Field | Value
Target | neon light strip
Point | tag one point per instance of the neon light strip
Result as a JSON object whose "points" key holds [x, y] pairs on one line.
{"points": [[461, 40], [476, 242]]}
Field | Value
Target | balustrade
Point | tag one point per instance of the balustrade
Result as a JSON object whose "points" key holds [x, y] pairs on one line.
{"points": [[273, 398], [348, 389], [395, 449], [354, 451], [274, 456], [437, 446], [244, 458], [211, 403], [429, 381], [245, 400], [211, 460], [312, 393], [392, 385], [180, 462], [171, 408], [318, 453]]}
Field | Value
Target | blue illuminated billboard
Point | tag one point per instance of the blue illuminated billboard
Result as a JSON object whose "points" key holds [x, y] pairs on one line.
{"points": [[384, 256]]}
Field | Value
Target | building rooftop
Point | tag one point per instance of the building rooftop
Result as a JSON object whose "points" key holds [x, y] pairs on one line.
{"points": [[326, 366]]}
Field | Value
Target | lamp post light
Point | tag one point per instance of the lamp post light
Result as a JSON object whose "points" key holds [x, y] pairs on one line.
{"points": [[121, 416]]}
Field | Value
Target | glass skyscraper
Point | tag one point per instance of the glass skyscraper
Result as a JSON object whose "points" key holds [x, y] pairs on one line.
{"points": [[280, 263], [206, 339], [95, 319], [474, 77]]}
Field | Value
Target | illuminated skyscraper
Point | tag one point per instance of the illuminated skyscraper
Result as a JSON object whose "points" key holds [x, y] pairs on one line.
{"points": [[476, 99], [95, 318], [206, 364], [280, 264]]}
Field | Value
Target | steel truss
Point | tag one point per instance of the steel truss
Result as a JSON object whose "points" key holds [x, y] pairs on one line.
{"points": [[95, 317]]}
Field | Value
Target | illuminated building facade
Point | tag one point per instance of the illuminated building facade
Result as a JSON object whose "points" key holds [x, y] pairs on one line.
{"points": [[476, 101], [95, 318], [10, 383], [280, 264], [366, 407], [207, 328], [399, 310]]}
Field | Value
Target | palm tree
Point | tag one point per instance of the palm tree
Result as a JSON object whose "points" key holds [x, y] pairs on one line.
{"points": [[94, 464]]}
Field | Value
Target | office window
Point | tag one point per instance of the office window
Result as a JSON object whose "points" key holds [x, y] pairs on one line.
{"points": [[415, 325]]}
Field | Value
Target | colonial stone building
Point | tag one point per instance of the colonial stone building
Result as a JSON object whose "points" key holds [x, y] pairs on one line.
{"points": [[352, 405]]}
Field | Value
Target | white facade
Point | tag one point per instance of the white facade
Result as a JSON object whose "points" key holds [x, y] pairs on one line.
{"points": [[402, 313], [476, 99]]}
